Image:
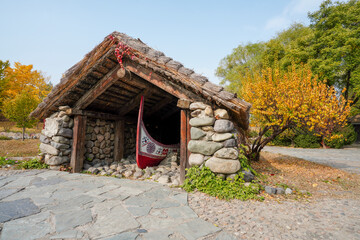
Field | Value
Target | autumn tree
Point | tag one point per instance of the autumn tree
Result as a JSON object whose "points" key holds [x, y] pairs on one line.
{"points": [[3, 80], [19, 108], [23, 78], [294, 98]]}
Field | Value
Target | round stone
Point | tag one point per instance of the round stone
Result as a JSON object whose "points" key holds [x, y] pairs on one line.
{"points": [[229, 153], [225, 166], [219, 137], [222, 126], [221, 114], [196, 133], [196, 159], [203, 147], [203, 121]]}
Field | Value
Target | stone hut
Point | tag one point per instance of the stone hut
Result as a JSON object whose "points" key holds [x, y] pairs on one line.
{"points": [[91, 115]]}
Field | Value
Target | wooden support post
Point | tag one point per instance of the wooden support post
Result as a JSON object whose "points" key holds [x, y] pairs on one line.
{"points": [[188, 137], [119, 140], [78, 147], [184, 129]]}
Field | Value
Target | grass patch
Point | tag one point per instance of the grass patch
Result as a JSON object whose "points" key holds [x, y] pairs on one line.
{"points": [[19, 148]]}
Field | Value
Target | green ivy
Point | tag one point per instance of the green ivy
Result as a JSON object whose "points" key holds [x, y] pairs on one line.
{"points": [[32, 164], [5, 161], [207, 182]]}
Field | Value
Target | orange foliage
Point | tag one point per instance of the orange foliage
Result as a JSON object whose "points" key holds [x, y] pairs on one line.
{"points": [[295, 98], [24, 78]]}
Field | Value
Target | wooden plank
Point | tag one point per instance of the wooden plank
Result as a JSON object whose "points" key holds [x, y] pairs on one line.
{"points": [[109, 79], [183, 145], [159, 81], [78, 146], [158, 106], [188, 137], [93, 114], [119, 141], [133, 103]]}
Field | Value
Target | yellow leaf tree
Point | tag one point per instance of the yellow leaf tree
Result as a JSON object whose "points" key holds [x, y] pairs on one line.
{"points": [[23, 78], [295, 98]]}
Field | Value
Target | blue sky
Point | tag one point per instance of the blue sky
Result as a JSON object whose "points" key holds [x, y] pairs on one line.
{"points": [[54, 35]]}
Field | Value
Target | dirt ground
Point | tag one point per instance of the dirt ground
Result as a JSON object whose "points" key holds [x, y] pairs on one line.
{"points": [[19, 148], [309, 180]]}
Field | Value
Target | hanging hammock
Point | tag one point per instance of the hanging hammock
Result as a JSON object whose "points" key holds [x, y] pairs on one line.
{"points": [[149, 152]]}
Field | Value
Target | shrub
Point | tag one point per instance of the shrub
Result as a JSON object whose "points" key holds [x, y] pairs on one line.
{"points": [[33, 164], [307, 141], [5, 138], [345, 136], [207, 182]]}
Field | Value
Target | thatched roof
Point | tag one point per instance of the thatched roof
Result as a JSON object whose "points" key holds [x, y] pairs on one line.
{"points": [[92, 83]]}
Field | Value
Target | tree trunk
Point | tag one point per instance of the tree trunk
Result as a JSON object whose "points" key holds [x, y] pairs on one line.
{"points": [[23, 133]]}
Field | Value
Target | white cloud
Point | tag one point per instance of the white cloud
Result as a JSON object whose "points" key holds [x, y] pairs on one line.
{"points": [[294, 11]]}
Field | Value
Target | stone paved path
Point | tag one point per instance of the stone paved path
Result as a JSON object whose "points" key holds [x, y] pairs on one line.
{"points": [[57, 205], [347, 159]]}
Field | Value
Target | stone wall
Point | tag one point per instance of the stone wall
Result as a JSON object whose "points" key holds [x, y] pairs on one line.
{"points": [[213, 140], [56, 138], [130, 139], [99, 144]]}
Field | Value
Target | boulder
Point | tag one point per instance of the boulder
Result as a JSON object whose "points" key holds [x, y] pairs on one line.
{"points": [[44, 139], [60, 145], [203, 121], [60, 139], [248, 176], [65, 132], [196, 159], [225, 166], [222, 126], [52, 126], [208, 111], [196, 133], [46, 148], [229, 153], [203, 147], [198, 105], [197, 113], [219, 137], [208, 128], [100, 137], [230, 143], [56, 160], [221, 114]]}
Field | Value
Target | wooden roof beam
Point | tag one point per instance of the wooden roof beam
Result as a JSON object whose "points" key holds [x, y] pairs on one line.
{"points": [[133, 103], [160, 82], [101, 86], [159, 106]]}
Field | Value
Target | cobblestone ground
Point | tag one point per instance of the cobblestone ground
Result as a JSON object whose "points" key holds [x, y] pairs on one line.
{"points": [[57, 205], [323, 219]]}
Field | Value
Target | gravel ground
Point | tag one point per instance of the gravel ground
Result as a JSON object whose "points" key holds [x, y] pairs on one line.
{"points": [[322, 219]]}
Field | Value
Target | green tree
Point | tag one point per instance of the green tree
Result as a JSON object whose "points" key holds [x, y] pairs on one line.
{"points": [[233, 68], [19, 108], [336, 45]]}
